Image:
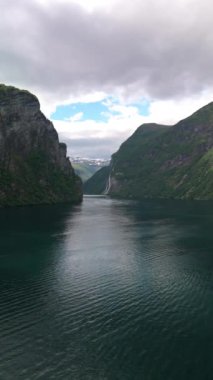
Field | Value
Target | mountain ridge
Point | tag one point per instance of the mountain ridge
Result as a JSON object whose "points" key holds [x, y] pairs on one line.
{"points": [[160, 161]]}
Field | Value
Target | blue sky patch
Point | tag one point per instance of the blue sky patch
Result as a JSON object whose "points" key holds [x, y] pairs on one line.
{"points": [[91, 111], [143, 107], [98, 111]]}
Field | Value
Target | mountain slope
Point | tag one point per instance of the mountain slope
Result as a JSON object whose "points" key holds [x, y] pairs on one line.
{"points": [[84, 170], [85, 167], [34, 168], [166, 162], [98, 182]]}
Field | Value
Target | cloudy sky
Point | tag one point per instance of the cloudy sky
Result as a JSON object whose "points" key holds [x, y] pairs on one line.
{"points": [[100, 68]]}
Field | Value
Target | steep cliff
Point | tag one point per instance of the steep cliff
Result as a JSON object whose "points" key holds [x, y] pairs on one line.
{"points": [[34, 168], [165, 162]]}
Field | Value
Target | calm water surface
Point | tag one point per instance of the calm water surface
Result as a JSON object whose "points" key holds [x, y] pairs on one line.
{"points": [[107, 290]]}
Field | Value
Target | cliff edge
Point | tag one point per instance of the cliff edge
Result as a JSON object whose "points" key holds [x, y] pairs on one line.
{"points": [[34, 167]]}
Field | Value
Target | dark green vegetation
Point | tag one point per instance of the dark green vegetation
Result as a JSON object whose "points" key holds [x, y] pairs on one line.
{"points": [[165, 162], [34, 168], [98, 182], [85, 170]]}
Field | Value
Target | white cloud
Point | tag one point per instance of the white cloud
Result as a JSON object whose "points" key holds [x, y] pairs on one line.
{"points": [[115, 130], [88, 5], [86, 50], [172, 111], [159, 49], [78, 116], [49, 103], [121, 125]]}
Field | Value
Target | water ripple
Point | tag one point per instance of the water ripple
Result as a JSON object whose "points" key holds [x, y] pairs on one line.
{"points": [[112, 290]]}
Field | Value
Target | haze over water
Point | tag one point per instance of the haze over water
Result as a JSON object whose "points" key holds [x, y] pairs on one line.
{"points": [[107, 290]]}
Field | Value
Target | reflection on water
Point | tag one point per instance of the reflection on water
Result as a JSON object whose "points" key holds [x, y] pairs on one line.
{"points": [[107, 290]]}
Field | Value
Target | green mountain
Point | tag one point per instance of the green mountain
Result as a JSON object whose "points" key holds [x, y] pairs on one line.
{"points": [[34, 167], [86, 167], [98, 182], [84, 170], [160, 161]]}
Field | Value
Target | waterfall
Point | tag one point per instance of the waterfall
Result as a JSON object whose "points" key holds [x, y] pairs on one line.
{"points": [[108, 185]]}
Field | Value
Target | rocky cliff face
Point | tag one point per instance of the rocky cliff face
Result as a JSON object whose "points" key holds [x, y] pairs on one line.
{"points": [[165, 162], [34, 168]]}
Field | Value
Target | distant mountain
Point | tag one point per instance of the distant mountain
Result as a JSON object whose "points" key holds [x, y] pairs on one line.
{"points": [[160, 161], [34, 168], [86, 167], [98, 182]]}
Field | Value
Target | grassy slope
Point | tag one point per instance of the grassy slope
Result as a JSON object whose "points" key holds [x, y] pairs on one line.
{"points": [[166, 162], [169, 163], [97, 183], [84, 170]]}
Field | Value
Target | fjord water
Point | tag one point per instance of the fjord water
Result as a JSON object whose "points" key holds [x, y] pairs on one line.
{"points": [[107, 290]]}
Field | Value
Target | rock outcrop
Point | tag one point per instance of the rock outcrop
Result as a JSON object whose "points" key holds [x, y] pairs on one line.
{"points": [[34, 167]]}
